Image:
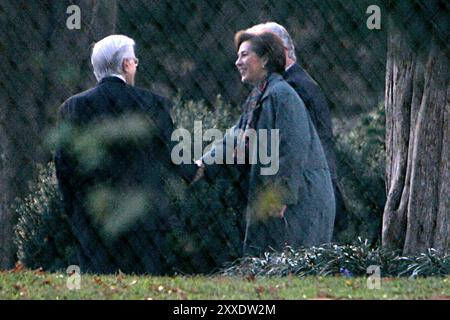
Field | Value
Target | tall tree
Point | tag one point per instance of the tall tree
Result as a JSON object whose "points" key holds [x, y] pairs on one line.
{"points": [[417, 212], [43, 62]]}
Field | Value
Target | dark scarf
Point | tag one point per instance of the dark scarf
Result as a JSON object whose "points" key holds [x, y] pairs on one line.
{"points": [[252, 102], [248, 119]]}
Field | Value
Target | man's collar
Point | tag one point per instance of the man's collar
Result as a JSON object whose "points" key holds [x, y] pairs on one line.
{"points": [[113, 78], [120, 77], [290, 66]]}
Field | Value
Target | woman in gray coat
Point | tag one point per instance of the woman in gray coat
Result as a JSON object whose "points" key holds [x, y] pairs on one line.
{"points": [[290, 199]]}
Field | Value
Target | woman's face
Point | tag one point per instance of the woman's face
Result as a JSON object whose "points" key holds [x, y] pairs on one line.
{"points": [[249, 65]]}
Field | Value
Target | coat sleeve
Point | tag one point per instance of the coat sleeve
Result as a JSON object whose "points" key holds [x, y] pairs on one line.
{"points": [[221, 149]]}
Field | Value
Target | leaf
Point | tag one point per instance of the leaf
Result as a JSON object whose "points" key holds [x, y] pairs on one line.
{"points": [[98, 281], [19, 267]]}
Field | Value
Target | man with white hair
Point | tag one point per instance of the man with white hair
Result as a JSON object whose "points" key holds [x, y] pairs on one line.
{"points": [[317, 105], [134, 240], [114, 56]]}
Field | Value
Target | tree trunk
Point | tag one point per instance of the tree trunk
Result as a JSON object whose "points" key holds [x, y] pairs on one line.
{"points": [[43, 64], [417, 212]]}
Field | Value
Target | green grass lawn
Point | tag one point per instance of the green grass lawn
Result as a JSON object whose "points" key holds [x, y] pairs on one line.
{"points": [[25, 284]]}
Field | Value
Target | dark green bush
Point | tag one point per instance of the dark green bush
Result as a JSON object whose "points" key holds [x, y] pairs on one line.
{"points": [[360, 154], [219, 116], [43, 236], [217, 229]]}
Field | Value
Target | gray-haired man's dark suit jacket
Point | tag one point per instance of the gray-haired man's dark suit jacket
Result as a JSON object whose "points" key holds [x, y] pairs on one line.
{"points": [[319, 111], [136, 163]]}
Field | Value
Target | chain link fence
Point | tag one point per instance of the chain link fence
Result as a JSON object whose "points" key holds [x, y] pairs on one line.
{"points": [[186, 53]]}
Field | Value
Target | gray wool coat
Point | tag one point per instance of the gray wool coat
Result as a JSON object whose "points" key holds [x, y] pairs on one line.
{"points": [[302, 181]]}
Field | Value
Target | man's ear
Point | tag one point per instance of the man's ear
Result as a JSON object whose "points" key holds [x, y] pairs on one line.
{"points": [[125, 66]]}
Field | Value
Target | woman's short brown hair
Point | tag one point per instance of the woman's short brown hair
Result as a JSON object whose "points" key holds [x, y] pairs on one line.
{"points": [[264, 44]]}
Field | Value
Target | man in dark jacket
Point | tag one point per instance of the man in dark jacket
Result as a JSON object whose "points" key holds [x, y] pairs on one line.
{"points": [[317, 106], [113, 167]]}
